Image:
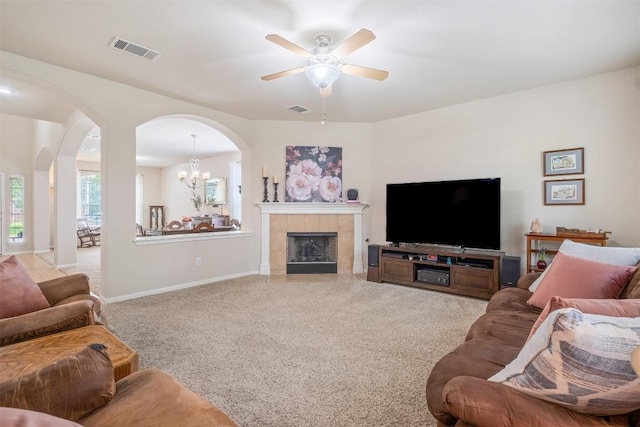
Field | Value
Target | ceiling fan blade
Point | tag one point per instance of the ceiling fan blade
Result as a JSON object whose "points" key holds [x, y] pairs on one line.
{"points": [[354, 42], [325, 91], [282, 42], [370, 73], [282, 74]]}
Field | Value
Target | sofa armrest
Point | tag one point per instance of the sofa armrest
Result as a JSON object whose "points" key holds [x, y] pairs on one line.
{"points": [[525, 281], [55, 290], [483, 403], [45, 322]]}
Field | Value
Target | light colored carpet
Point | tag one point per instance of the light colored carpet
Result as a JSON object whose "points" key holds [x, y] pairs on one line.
{"points": [[316, 350]]}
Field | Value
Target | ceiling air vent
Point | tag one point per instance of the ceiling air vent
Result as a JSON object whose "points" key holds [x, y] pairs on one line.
{"points": [[134, 49], [299, 109]]}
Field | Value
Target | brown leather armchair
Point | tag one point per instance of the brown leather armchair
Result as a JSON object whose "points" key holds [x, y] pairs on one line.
{"points": [[73, 305]]}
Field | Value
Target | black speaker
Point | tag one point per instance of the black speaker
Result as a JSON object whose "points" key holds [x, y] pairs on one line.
{"points": [[510, 270], [373, 256], [373, 272]]}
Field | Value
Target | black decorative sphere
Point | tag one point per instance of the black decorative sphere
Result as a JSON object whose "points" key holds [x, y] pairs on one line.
{"points": [[352, 194]]}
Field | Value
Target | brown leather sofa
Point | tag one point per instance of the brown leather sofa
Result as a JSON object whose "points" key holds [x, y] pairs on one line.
{"points": [[458, 393], [72, 306], [80, 390]]}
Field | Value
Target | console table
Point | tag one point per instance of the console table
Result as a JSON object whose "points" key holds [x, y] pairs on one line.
{"points": [[533, 239], [29, 356]]}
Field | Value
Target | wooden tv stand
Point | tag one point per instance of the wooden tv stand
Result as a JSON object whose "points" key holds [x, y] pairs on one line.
{"points": [[474, 273]]}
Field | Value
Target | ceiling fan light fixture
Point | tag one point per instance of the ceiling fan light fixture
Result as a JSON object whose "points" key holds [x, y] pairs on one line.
{"points": [[322, 74]]}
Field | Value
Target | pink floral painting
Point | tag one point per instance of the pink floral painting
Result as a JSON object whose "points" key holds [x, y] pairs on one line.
{"points": [[314, 174]]}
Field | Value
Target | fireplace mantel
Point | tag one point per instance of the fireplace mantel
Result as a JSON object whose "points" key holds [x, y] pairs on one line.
{"points": [[288, 208]]}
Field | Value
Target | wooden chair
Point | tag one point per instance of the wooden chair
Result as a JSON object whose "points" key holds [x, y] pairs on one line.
{"points": [[139, 230], [203, 227], [88, 236]]}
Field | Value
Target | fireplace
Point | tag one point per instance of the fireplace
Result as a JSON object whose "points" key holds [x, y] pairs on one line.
{"points": [[312, 253], [344, 219]]}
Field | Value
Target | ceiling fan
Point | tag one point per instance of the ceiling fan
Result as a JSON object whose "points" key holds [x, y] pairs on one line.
{"points": [[325, 65]]}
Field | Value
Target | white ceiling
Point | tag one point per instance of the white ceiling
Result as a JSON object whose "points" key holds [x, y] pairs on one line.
{"points": [[438, 53]]}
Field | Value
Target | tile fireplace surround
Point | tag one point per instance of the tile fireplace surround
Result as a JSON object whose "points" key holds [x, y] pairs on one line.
{"points": [[280, 218]]}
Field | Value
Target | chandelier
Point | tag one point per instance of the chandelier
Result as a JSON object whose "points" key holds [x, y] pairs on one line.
{"points": [[194, 178]]}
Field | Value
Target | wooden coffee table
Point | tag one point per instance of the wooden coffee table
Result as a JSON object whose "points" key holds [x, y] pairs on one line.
{"points": [[29, 356]]}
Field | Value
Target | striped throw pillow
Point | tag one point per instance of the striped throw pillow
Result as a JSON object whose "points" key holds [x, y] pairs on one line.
{"points": [[580, 361]]}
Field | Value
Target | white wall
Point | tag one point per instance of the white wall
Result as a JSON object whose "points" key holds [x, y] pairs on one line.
{"points": [[505, 137], [502, 136]]}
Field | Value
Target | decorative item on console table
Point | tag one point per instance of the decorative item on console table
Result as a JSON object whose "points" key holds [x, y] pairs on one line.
{"points": [[536, 226], [542, 262], [187, 221], [575, 232], [156, 216], [197, 201]]}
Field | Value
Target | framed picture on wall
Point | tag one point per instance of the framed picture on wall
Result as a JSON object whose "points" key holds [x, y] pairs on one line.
{"points": [[563, 162], [564, 192]]}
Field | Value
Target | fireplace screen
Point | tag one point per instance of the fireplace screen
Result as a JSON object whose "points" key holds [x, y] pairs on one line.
{"points": [[311, 253]]}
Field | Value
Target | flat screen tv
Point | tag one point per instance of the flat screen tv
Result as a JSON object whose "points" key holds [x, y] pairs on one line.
{"points": [[461, 213]]}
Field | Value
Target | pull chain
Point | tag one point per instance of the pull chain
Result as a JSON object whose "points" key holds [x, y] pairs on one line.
{"points": [[324, 107]]}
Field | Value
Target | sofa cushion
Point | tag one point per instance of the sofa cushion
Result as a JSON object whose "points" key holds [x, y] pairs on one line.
{"points": [[579, 361], [574, 277], [605, 307], [605, 254], [152, 398], [69, 388], [12, 417], [20, 294], [481, 403]]}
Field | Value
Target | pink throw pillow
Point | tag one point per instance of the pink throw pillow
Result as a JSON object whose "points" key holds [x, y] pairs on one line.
{"points": [[604, 307], [574, 277], [19, 293]]}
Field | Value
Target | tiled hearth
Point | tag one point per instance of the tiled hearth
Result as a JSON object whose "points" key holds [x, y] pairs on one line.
{"points": [[280, 218]]}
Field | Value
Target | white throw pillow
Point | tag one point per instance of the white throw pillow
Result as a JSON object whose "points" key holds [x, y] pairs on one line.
{"points": [[604, 254], [579, 361]]}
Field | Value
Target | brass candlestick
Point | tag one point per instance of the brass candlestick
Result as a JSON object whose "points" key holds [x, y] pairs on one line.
{"points": [[265, 180], [275, 192]]}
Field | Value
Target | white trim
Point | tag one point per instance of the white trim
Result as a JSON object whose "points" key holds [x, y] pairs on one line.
{"points": [[177, 238], [177, 287], [311, 208]]}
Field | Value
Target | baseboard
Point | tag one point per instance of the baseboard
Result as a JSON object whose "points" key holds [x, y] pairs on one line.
{"points": [[176, 287]]}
